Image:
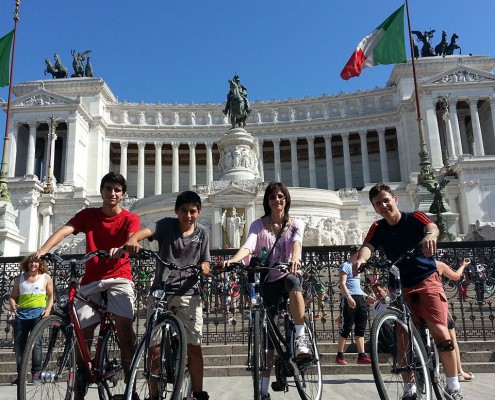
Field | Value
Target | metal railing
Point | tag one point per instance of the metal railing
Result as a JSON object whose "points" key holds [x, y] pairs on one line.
{"points": [[470, 299]]}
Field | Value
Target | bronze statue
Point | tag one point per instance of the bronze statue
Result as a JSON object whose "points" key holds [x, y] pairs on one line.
{"points": [[453, 45], [237, 104], [57, 70], [88, 70], [77, 63], [442, 46], [427, 49], [437, 206]]}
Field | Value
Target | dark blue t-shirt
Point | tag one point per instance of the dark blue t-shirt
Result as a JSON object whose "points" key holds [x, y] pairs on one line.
{"points": [[395, 240]]}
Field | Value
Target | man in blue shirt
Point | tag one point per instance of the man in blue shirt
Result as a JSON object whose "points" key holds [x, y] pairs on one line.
{"points": [[354, 310]]}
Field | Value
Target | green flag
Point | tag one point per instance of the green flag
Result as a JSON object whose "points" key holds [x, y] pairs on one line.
{"points": [[5, 47]]}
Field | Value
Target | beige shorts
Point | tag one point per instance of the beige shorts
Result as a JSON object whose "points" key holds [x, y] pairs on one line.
{"points": [[189, 310], [120, 299]]}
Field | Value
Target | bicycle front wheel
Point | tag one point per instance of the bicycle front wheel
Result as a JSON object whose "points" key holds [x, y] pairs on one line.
{"points": [[257, 354], [48, 362], [307, 373], [112, 379], [159, 363], [395, 360]]}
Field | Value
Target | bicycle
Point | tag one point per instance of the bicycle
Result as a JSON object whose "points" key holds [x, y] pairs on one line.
{"points": [[57, 335], [306, 373], [159, 365], [408, 351]]}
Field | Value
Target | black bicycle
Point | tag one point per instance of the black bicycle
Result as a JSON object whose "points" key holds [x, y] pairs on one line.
{"points": [[159, 367], [304, 374], [400, 351]]}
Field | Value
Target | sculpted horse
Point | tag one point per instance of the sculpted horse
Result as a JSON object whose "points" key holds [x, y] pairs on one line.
{"points": [[236, 106], [442, 46], [453, 45], [57, 71]]}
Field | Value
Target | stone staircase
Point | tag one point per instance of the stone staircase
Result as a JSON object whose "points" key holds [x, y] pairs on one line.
{"points": [[230, 360]]}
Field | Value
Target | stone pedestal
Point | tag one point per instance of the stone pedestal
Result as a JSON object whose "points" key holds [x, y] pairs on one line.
{"points": [[10, 240], [238, 156], [447, 222]]}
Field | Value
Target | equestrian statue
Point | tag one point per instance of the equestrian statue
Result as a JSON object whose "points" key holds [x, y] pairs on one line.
{"points": [[442, 46], [237, 104], [57, 70], [453, 45]]}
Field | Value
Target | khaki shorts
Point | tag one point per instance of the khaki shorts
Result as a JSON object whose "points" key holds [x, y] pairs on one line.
{"points": [[427, 301], [189, 310], [120, 299]]}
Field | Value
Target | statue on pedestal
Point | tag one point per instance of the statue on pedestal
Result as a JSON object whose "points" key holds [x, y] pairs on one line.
{"points": [[437, 206]]}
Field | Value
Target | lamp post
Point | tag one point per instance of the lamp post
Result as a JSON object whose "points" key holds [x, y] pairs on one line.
{"points": [[52, 136]]}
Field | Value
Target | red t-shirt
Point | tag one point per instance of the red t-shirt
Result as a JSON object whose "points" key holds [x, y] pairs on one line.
{"points": [[104, 233]]}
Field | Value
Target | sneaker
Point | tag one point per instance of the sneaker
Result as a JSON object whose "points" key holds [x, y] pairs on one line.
{"points": [[15, 382], [454, 394], [340, 361], [364, 360], [301, 345], [409, 396], [265, 396], [36, 377]]}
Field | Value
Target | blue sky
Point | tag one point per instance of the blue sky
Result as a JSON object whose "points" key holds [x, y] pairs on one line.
{"points": [[185, 50]]}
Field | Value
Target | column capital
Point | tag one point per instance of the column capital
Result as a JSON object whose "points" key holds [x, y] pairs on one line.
{"points": [[209, 145], [33, 124], [158, 145], [124, 144], [141, 145], [327, 136], [473, 101], [380, 131], [310, 138], [175, 145], [363, 132], [192, 145], [276, 141], [345, 135], [293, 140]]}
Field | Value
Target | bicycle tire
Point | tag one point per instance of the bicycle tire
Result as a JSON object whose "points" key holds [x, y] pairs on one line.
{"points": [[110, 366], [186, 388], [307, 372], [168, 334], [257, 357], [58, 362], [385, 338]]}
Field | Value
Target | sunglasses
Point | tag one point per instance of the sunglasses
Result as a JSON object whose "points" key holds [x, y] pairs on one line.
{"points": [[274, 197]]}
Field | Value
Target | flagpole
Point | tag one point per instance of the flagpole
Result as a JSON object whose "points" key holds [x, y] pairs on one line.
{"points": [[426, 173], [4, 169]]}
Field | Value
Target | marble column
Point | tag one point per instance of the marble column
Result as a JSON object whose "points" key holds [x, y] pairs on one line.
{"points": [[276, 157], [363, 136], [450, 137], [329, 160], [14, 128], [192, 164], [158, 167], [31, 148], [140, 174], [52, 139], [347, 160], [123, 158], [492, 112], [383, 155], [209, 163], [454, 120], [432, 135], [294, 162], [175, 167], [260, 160], [479, 149], [311, 161]]}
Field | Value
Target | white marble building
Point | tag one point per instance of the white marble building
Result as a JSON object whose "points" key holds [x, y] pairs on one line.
{"points": [[329, 150]]}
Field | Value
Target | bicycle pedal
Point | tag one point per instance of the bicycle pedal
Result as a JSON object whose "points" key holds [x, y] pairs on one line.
{"points": [[278, 387], [118, 397]]}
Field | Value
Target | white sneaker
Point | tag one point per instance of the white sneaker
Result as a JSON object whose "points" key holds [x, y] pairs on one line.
{"points": [[301, 345], [454, 394]]}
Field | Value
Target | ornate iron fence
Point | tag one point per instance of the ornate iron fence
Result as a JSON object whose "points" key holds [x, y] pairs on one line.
{"points": [[470, 299]]}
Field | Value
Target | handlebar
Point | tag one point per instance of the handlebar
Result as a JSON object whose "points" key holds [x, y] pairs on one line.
{"points": [[145, 254], [57, 257], [282, 267]]}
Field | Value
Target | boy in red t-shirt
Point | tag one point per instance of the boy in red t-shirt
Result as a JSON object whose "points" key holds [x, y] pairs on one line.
{"points": [[106, 228]]}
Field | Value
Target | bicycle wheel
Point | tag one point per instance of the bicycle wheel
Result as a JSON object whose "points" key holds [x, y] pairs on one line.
{"points": [[186, 388], [390, 365], [307, 372], [55, 362], [257, 354], [110, 366], [160, 361], [437, 375]]}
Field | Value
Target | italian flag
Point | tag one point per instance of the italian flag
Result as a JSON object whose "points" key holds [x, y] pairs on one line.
{"points": [[385, 45]]}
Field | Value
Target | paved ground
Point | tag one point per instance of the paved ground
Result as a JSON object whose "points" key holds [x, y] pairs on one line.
{"points": [[335, 387]]}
